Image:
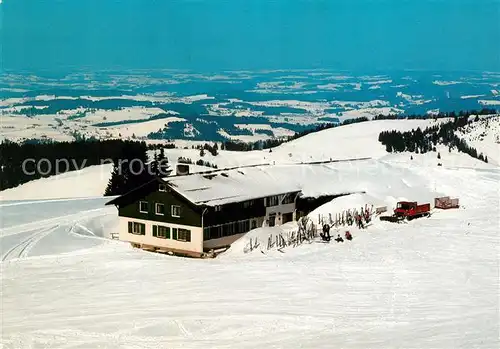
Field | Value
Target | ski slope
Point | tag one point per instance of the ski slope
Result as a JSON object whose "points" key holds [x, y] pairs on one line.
{"points": [[484, 135], [431, 283], [47, 227], [359, 140], [87, 182]]}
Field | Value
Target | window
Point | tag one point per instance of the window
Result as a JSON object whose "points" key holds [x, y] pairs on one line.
{"points": [[214, 232], [161, 232], [162, 187], [404, 206], [174, 233], [136, 228], [243, 226], [228, 229], [143, 206], [288, 199], [176, 211], [273, 201], [248, 204], [160, 209], [280, 200], [217, 208], [254, 224], [287, 217], [184, 235], [272, 219]]}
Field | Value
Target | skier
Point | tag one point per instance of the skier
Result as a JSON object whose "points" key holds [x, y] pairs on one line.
{"points": [[358, 221], [361, 225], [367, 216], [326, 233]]}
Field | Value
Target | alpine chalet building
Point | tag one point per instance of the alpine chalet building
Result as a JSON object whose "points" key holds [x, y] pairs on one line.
{"points": [[193, 213]]}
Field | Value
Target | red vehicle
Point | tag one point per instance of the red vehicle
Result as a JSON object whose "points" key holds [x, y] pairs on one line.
{"points": [[408, 210]]}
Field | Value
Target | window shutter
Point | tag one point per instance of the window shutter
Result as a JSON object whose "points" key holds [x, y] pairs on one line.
{"points": [[130, 228], [168, 233], [174, 233], [143, 229], [155, 230]]}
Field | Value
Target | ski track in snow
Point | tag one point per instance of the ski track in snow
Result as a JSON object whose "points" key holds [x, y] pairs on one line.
{"points": [[22, 249], [429, 284], [50, 235]]}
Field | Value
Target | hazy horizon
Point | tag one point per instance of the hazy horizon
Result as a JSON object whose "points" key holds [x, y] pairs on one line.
{"points": [[219, 35]]}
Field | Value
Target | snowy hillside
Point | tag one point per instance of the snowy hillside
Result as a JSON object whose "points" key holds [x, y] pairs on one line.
{"points": [[352, 141], [88, 182], [359, 140], [430, 283], [44, 227], [484, 135]]}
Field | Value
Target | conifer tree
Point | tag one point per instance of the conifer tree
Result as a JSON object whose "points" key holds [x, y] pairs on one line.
{"points": [[116, 183]]}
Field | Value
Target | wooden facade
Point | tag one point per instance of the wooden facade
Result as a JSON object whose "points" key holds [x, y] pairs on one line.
{"points": [[162, 209], [190, 214]]}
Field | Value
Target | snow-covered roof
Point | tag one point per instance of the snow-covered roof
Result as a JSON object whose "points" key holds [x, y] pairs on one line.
{"points": [[379, 179], [234, 185]]}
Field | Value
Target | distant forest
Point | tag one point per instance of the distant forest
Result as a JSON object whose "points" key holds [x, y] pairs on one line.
{"points": [[23, 162], [34, 159], [423, 141], [271, 143]]}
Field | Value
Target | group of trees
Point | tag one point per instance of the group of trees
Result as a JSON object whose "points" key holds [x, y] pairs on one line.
{"points": [[439, 115], [274, 142], [212, 149], [134, 169], [159, 146], [423, 141], [34, 159], [200, 162], [129, 171]]}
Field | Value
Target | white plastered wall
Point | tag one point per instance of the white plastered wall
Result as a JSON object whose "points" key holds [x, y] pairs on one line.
{"points": [[195, 245]]}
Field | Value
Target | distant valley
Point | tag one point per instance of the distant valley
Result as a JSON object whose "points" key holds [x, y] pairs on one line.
{"points": [[237, 105]]}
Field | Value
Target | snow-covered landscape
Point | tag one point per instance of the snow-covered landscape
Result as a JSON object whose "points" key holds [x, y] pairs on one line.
{"points": [[249, 174], [157, 104], [428, 283]]}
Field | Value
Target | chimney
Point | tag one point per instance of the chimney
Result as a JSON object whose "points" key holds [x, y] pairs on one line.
{"points": [[182, 169]]}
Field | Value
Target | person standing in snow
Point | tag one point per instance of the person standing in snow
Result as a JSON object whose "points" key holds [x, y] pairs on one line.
{"points": [[326, 233], [348, 235]]}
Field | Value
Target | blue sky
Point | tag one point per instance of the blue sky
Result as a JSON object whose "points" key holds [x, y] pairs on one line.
{"points": [[211, 35]]}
